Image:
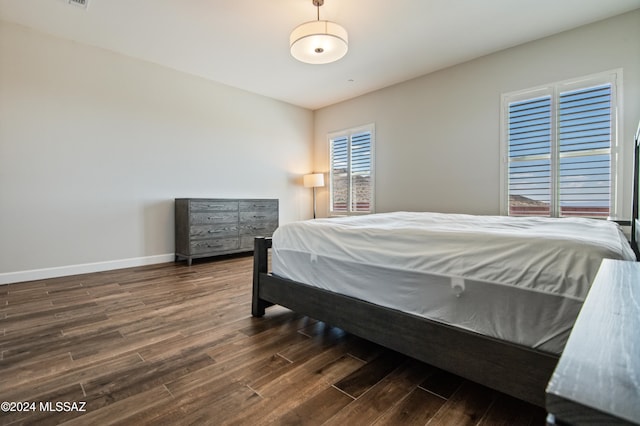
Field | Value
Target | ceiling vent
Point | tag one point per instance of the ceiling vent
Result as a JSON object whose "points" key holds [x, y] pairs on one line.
{"points": [[81, 3]]}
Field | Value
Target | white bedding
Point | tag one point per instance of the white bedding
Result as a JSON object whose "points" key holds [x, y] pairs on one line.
{"points": [[518, 279]]}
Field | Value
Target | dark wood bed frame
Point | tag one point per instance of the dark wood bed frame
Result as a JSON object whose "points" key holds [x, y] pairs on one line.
{"points": [[507, 367], [513, 369]]}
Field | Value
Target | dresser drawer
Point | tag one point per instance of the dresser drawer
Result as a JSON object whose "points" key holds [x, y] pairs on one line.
{"points": [[248, 232], [247, 242], [214, 245], [214, 231], [262, 229], [258, 216], [258, 205], [213, 206], [213, 217]]}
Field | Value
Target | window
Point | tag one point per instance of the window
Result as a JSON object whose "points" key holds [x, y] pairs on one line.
{"points": [[351, 175], [559, 149]]}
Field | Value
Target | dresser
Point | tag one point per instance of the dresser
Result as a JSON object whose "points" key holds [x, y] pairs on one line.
{"points": [[214, 226]]}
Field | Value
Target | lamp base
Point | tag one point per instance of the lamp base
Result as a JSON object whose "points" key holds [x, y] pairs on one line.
{"points": [[314, 202]]}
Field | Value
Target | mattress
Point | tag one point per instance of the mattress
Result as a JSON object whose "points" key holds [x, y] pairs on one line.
{"points": [[517, 279]]}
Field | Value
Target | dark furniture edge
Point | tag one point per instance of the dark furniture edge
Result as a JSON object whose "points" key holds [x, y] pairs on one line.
{"points": [[595, 381], [635, 230]]}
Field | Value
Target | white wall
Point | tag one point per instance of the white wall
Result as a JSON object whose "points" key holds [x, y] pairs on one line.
{"points": [[438, 136], [94, 147]]}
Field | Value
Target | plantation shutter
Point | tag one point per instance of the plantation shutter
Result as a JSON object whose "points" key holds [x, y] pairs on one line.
{"points": [[585, 151], [361, 172], [339, 174], [351, 176], [529, 130], [560, 143]]}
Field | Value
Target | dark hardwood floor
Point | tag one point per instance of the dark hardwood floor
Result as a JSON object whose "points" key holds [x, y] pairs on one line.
{"points": [[172, 344]]}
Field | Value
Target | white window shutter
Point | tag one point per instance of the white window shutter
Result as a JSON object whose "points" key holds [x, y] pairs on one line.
{"points": [[560, 145], [585, 152], [351, 178]]}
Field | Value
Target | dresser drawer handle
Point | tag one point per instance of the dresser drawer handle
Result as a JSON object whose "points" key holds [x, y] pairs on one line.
{"points": [[258, 217], [214, 232]]}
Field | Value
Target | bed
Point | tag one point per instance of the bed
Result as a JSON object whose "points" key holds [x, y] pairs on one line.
{"points": [[431, 300]]}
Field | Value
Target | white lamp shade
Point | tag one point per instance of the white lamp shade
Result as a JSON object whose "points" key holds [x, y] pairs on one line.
{"points": [[314, 180], [319, 42]]}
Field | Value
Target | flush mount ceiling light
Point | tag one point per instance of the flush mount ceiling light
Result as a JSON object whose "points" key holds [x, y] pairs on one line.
{"points": [[319, 42]]}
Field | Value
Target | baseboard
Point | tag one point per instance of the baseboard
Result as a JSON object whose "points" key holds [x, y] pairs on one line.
{"points": [[84, 268]]}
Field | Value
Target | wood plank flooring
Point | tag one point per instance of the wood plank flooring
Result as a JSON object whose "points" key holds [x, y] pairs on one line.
{"points": [[172, 344]]}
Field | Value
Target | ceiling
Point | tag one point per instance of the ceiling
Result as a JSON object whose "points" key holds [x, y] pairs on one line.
{"points": [[245, 43]]}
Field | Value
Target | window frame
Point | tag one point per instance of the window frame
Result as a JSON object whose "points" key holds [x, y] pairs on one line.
{"points": [[348, 133], [613, 77]]}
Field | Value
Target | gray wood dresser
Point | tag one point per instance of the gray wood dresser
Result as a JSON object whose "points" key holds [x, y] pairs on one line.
{"points": [[597, 379], [214, 226]]}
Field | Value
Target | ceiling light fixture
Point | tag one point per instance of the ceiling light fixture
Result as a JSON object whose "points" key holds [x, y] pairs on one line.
{"points": [[319, 42]]}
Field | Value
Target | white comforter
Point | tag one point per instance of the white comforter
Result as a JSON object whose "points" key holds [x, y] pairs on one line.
{"points": [[548, 255]]}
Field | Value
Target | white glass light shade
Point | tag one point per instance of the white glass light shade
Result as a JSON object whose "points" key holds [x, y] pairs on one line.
{"points": [[314, 180], [319, 42]]}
